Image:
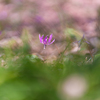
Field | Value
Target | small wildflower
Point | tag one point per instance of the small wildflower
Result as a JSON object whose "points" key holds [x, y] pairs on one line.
{"points": [[81, 41], [46, 40]]}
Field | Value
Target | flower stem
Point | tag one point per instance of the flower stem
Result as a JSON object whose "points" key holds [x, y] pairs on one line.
{"points": [[44, 46]]}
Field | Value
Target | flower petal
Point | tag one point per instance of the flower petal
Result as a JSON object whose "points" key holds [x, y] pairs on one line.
{"points": [[45, 40], [87, 42], [50, 38], [51, 42], [79, 43], [41, 38]]}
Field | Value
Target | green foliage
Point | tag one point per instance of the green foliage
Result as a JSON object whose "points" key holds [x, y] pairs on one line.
{"points": [[24, 76]]}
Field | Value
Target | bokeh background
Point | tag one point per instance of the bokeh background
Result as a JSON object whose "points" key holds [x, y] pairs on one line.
{"points": [[60, 18], [68, 69]]}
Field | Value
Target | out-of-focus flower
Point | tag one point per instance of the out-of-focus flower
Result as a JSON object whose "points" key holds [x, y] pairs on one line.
{"points": [[46, 40], [38, 19], [81, 41]]}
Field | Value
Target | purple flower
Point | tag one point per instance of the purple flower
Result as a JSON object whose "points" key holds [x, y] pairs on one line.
{"points": [[38, 19], [46, 40], [81, 41]]}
